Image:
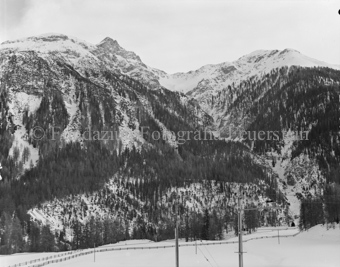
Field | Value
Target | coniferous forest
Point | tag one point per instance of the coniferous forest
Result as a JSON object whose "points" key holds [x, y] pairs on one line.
{"points": [[149, 172]]}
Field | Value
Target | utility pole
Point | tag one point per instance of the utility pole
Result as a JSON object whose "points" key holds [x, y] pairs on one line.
{"points": [[94, 252], [240, 232], [0, 169], [240, 228], [196, 246], [176, 232]]}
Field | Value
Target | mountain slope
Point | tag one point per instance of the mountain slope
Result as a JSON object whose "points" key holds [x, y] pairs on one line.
{"points": [[207, 81], [60, 95], [75, 92]]}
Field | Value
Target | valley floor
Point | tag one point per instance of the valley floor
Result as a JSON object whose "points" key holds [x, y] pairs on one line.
{"points": [[317, 247]]}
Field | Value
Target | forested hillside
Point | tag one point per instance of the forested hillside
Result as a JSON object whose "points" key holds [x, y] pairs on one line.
{"points": [[306, 103], [70, 102], [95, 150]]}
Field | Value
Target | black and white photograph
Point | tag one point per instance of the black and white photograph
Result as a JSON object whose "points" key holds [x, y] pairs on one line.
{"points": [[167, 133]]}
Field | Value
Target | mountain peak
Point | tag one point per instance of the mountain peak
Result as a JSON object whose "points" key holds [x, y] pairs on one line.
{"points": [[289, 50], [51, 34], [42, 37], [108, 41], [269, 53]]}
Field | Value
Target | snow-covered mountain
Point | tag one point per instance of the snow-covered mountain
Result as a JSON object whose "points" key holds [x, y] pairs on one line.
{"points": [[86, 56], [54, 80], [32, 64], [215, 88], [200, 84], [209, 80], [218, 76]]}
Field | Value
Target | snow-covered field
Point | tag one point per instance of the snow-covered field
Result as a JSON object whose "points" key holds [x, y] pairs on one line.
{"points": [[317, 247]]}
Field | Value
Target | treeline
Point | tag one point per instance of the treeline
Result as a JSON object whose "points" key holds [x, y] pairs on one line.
{"points": [[98, 232], [311, 213], [324, 209], [30, 237], [36, 237]]}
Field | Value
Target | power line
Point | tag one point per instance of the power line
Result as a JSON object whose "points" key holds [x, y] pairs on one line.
{"points": [[211, 255], [205, 257], [294, 195]]}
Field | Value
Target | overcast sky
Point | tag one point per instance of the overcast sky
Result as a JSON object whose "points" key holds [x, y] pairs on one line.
{"points": [[184, 35]]}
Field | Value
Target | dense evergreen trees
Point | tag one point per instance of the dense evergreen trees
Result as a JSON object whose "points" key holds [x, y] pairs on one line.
{"points": [[311, 213], [74, 168], [86, 176], [97, 232], [206, 225], [11, 234], [332, 203], [251, 219], [298, 99]]}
